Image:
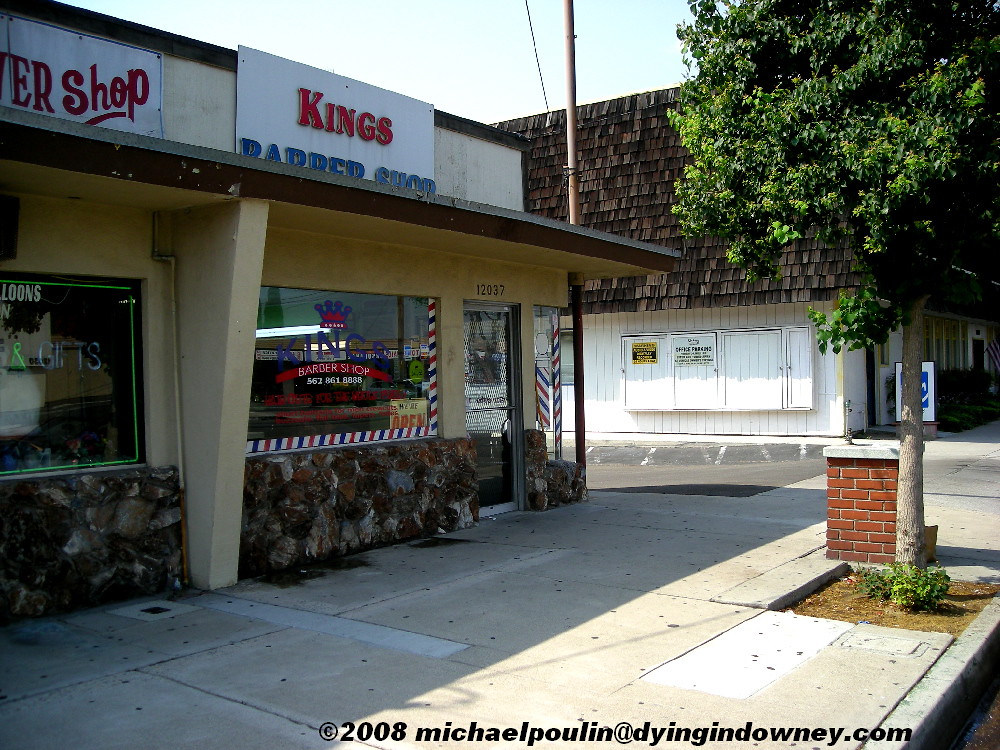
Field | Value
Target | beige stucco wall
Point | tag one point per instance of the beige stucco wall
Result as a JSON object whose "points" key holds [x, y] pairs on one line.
{"points": [[313, 261], [218, 253]]}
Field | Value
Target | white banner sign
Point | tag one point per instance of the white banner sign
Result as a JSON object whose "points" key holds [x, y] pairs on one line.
{"points": [[306, 117], [694, 351], [65, 74]]}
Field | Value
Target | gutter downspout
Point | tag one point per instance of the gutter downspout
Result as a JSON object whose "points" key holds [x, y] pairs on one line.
{"points": [[576, 292], [573, 202], [170, 259]]}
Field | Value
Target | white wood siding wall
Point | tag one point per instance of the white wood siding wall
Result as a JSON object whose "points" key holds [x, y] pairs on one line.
{"points": [[754, 369], [604, 360]]}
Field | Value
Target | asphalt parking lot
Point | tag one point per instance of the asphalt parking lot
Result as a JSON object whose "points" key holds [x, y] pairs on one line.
{"points": [[719, 469]]}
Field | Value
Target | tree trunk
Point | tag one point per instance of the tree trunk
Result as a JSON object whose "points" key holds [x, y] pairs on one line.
{"points": [[910, 488]]}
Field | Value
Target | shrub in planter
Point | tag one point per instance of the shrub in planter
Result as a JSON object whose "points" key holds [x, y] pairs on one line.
{"points": [[906, 586]]}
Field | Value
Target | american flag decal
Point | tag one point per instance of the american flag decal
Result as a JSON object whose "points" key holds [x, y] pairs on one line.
{"points": [[993, 352]]}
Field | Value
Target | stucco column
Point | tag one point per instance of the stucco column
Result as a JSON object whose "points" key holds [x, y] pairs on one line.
{"points": [[451, 367], [219, 254]]}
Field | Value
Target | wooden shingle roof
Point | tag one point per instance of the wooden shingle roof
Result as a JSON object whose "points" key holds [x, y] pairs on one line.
{"points": [[630, 158]]}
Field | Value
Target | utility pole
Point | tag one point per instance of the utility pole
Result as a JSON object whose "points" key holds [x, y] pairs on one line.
{"points": [[573, 202], [572, 163]]}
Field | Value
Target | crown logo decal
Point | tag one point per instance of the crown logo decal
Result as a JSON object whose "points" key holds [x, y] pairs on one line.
{"points": [[333, 314]]}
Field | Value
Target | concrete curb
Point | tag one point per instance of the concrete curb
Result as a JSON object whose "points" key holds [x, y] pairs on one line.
{"points": [[938, 705], [786, 584]]}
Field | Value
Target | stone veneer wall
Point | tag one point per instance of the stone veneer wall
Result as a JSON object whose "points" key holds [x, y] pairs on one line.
{"points": [[94, 537], [308, 506], [88, 538], [550, 483]]}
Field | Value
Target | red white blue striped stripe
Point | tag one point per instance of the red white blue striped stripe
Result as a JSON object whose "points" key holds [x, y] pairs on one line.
{"points": [[542, 397], [432, 375], [341, 438], [556, 388]]}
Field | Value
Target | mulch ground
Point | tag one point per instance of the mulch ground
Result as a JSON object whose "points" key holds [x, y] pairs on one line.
{"points": [[841, 600]]}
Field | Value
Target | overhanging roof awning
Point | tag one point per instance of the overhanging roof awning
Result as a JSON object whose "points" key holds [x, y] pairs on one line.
{"points": [[57, 158]]}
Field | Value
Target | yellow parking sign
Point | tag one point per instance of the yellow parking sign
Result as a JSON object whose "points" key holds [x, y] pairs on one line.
{"points": [[644, 353]]}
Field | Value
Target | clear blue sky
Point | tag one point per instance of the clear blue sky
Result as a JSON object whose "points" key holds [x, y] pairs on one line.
{"points": [[472, 58]]}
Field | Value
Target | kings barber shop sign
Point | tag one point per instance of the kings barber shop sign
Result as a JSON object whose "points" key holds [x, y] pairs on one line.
{"points": [[72, 76], [294, 114]]}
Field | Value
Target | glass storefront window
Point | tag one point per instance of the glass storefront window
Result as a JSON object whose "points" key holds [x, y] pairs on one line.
{"points": [[70, 380], [566, 347], [336, 367]]}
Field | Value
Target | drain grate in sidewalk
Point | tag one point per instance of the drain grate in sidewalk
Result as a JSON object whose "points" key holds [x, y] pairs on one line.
{"points": [[153, 611]]}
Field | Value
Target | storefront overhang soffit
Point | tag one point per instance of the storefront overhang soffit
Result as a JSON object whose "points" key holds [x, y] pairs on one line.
{"points": [[46, 156]]}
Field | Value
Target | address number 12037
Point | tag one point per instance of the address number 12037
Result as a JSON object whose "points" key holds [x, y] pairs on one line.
{"points": [[489, 290]]}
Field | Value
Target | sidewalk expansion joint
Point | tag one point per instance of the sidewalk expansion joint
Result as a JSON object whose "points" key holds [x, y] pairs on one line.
{"points": [[342, 627], [228, 698]]}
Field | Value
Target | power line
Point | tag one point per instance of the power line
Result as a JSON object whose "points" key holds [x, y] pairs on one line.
{"points": [[537, 61]]}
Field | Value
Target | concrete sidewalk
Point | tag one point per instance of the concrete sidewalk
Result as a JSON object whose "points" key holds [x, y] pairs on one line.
{"points": [[632, 610]]}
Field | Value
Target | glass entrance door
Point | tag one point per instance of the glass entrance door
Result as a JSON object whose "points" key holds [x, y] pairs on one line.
{"points": [[492, 402]]}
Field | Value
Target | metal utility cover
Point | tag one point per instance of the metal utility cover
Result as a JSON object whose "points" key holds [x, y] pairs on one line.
{"points": [[750, 656]]}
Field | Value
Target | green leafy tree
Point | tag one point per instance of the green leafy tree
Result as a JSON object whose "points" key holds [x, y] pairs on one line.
{"points": [[867, 122]]}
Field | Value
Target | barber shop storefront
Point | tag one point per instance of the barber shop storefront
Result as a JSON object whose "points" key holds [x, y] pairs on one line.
{"points": [[263, 336]]}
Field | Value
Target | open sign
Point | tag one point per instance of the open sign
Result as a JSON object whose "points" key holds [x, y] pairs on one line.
{"points": [[409, 413]]}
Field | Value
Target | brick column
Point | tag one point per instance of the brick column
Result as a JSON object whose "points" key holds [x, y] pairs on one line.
{"points": [[861, 502]]}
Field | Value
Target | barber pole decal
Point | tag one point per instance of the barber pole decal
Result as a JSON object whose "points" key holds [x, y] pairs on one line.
{"points": [[542, 399], [432, 375], [556, 388]]}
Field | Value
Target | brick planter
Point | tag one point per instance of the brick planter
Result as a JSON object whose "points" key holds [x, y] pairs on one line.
{"points": [[861, 502]]}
